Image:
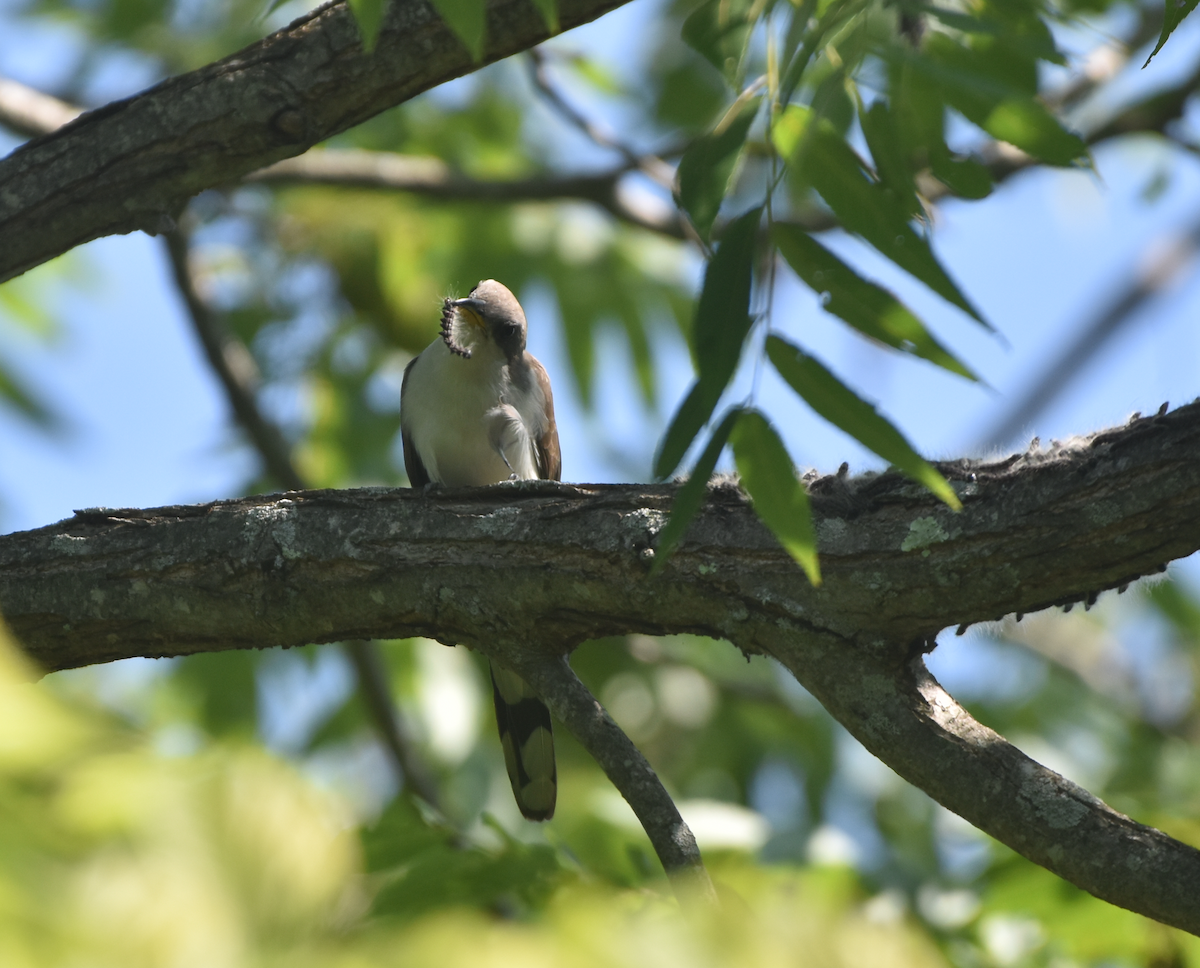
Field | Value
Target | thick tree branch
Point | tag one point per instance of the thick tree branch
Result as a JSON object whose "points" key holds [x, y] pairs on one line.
{"points": [[133, 164], [1038, 529]]}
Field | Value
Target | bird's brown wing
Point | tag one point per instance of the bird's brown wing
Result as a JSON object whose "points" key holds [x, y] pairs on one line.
{"points": [[549, 457], [417, 475]]}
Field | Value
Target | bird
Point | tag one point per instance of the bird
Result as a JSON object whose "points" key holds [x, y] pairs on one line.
{"points": [[476, 408]]}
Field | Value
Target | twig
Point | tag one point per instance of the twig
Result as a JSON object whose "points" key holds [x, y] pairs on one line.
{"points": [[648, 163], [433, 178], [541, 81], [235, 368], [576, 708], [30, 112]]}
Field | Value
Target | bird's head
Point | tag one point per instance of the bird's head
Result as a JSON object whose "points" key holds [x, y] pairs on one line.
{"points": [[489, 314]]}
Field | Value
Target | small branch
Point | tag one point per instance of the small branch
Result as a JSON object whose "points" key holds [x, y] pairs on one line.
{"points": [[385, 171], [576, 708], [541, 81], [649, 163], [434, 179], [30, 112], [234, 367]]}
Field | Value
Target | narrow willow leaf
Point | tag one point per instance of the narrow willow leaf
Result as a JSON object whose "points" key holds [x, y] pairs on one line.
{"points": [[893, 169], [1033, 40], [723, 313], [832, 102], [721, 323], [1025, 122], [719, 30], [368, 14], [869, 308], [843, 408], [966, 177], [1176, 10], [864, 207], [691, 495], [466, 19], [990, 91], [692, 414], [707, 166], [779, 498], [788, 129]]}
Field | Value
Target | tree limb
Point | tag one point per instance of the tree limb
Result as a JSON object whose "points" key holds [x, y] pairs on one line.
{"points": [[623, 763], [133, 164], [434, 179], [1047, 527]]}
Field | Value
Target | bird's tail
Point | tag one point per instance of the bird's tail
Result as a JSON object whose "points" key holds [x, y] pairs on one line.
{"points": [[528, 741]]}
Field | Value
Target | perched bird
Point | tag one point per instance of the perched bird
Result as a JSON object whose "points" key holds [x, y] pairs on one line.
{"points": [[476, 408]]}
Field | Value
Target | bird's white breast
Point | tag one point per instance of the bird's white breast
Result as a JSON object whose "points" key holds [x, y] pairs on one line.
{"points": [[445, 412]]}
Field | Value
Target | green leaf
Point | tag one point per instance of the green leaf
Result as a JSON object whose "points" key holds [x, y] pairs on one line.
{"points": [[866, 208], [707, 166], [692, 414], [887, 151], [368, 14], [843, 408], [780, 500], [1176, 10], [723, 313], [869, 308], [990, 90], [719, 30], [1026, 123], [966, 177], [721, 324], [691, 495], [832, 102], [466, 19]]}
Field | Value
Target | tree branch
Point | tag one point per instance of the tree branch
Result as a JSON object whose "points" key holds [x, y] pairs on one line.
{"points": [[234, 368], [623, 763], [434, 179], [133, 164], [30, 112], [1038, 529]]}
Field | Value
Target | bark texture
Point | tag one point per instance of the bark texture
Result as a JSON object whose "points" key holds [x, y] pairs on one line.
{"points": [[526, 571], [133, 164]]}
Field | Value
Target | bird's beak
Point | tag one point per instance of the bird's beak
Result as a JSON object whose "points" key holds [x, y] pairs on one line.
{"points": [[470, 309]]}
